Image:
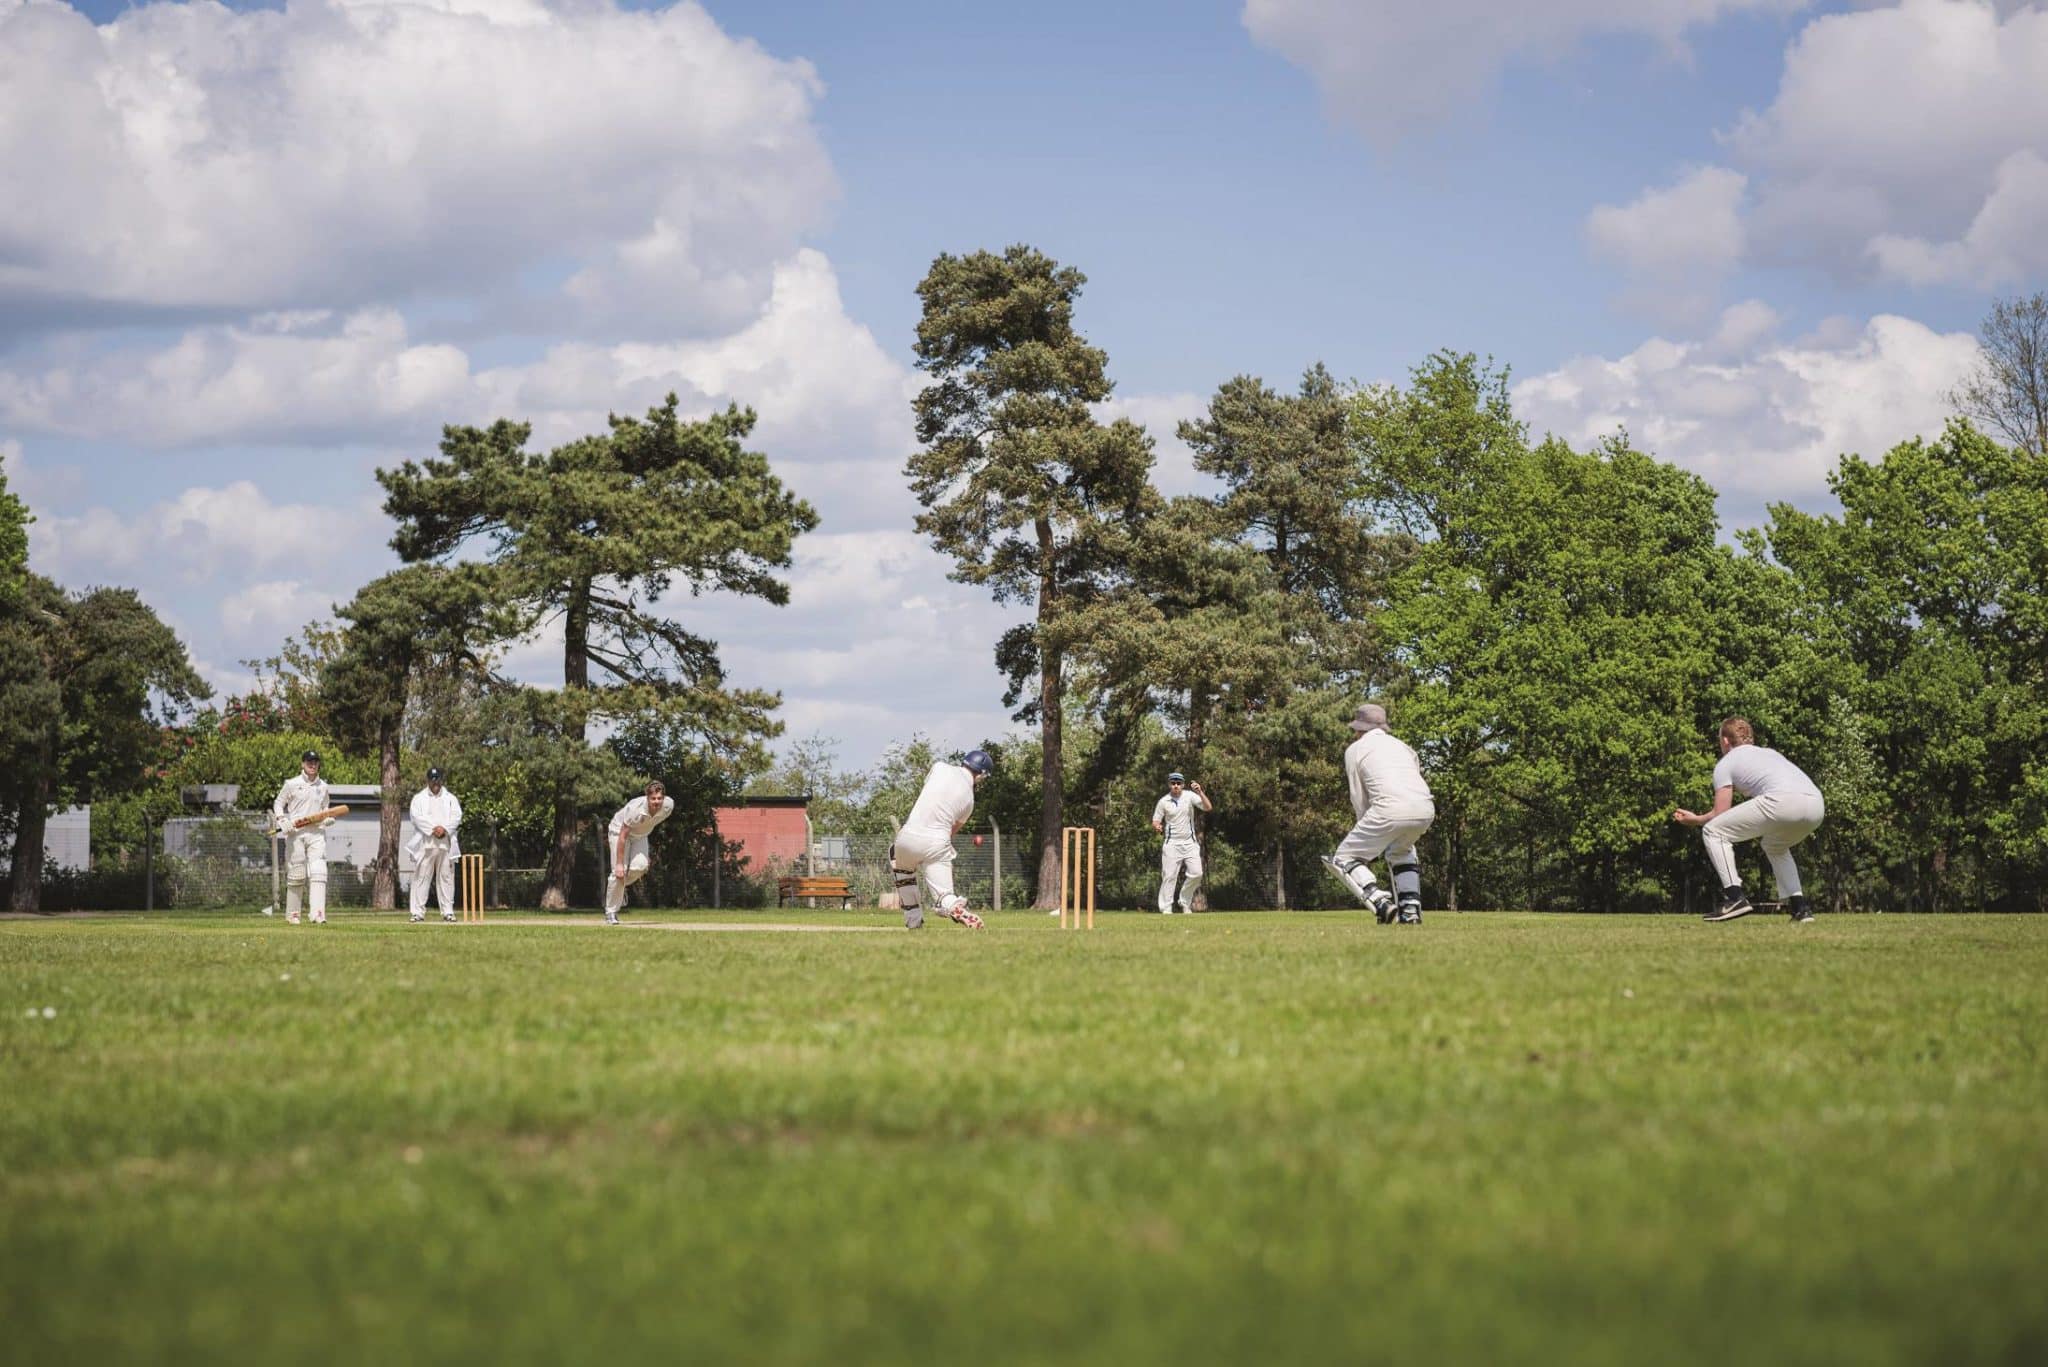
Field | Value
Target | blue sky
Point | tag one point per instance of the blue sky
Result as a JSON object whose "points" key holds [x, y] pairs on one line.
{"points": [[246, 258]]}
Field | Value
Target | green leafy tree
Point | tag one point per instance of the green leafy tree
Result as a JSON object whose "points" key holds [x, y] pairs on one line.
{"points": [[1426, 454], [2007, 392], [592, 535], [1935, 575], [98, 674], [287, 694], [698, 783], [1031, 495], [406, 630], [811, 768], [1554, 620], [893, 787], [14, 520], [1273, 620]]}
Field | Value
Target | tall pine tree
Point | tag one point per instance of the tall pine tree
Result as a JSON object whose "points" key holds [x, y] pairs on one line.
{"points": [[1022, 485], [591, 535]]}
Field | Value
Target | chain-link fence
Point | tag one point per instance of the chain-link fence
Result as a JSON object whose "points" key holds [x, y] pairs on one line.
{"points": [[863, 861], [230, 859]]}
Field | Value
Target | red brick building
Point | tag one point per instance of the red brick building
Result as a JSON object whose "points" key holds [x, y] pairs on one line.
{"points": [[770, 830]]}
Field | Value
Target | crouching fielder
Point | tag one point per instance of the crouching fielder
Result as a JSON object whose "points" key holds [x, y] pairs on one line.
{"points": [[626, 838], [302, 799], [1394, 809], [1784, 808], [925, 844]]}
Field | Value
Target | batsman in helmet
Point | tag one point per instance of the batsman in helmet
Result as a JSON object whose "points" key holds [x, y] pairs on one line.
{"points": [[924, 847], [302, 815]]}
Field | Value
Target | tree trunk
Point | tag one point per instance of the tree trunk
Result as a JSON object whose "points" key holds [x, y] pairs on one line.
{"points": [[384, 886], [1453, 850], [1280, 874], [554, 894], [1198, 708], [1051, 697], [25, 890]]}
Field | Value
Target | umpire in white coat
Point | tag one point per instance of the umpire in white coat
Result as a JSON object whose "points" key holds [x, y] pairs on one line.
{"points": [[1394, 808], [436, 816]]}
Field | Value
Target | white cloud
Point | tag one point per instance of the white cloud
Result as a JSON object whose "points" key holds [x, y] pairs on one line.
{"points": [[2006, 243], [191, 157], [1173, 463], [1759, 418], [304, 378], [266, 612], [822, 384], [875, 644], [203, 533], [1390, 66], [34, 482], [1907, 140], [1676, 244], [824, 387]]}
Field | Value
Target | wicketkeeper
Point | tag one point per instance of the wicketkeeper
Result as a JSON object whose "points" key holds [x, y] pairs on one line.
{"points": [[436, 816], [303, 799], [925, 844], [1394, 809], [1180, 857], [626, 838], [1784, 808]]}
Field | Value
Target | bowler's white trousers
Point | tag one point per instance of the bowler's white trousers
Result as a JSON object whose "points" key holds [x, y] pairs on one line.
{"points": [[1180, 873], [635, 865]]}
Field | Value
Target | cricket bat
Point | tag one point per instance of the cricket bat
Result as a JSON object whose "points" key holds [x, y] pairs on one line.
{"points": [[320, 816]]}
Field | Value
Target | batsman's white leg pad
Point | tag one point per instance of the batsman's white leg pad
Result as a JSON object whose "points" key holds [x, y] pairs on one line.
{"points": [[1358, 877]]}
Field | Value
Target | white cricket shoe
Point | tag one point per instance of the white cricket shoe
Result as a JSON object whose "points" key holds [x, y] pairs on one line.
{"points": [[449, 917], [418, 917], [291, 918], [610, 919]]}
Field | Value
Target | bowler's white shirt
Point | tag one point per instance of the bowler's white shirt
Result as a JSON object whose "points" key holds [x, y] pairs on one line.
{"points": [[1179, 817], [946, 800], [1758, 770], [1386, 776], [635, 820]]}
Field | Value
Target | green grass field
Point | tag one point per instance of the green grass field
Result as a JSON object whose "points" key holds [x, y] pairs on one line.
{"points": [[1242, 1138]]}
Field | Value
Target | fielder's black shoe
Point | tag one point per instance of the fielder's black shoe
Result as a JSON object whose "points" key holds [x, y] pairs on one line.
{"points": [[1797, 909], [1734, 905]]}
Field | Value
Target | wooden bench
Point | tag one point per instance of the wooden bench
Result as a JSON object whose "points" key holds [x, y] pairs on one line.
{"points": [[788, 888]]}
